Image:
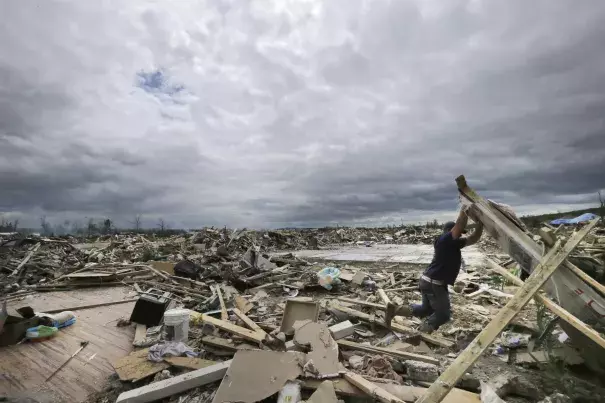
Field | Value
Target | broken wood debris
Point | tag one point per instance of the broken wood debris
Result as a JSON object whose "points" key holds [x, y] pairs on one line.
{"points": [[232, 277], [388, 351]]}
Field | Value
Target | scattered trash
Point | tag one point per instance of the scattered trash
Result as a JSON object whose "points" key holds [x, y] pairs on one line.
{"points": [[329, 277], [169, 349], [513, 340], [40, 333]]}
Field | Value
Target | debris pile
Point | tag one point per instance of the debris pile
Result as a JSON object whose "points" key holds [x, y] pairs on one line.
{"points": [[27, 261], [218, 318]]}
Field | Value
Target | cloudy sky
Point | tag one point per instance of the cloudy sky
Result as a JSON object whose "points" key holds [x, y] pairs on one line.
{"points": [[272, 113]]}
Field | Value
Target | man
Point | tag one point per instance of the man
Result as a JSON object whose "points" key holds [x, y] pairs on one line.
{"points": [[442, 272]]}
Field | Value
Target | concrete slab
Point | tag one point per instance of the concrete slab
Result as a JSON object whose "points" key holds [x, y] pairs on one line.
{"points": [[414, 254]]}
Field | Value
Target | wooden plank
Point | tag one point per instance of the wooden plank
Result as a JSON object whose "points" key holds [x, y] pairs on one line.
{"points": [[220, 343], [92, 274], [362, 303], [587, 279], [552, 306], [178, 384], [175, 289], [409, 394], [189, 362], [436, 340], [371, 389], [140, 334], [388, 351], [136, 366], [163, 275], [249, 322], [224, 314], [231, 328], [25, 260], [81, 307], [551, 261]]}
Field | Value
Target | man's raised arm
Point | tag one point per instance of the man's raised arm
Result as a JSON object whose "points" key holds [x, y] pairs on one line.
{"points": [[460, 224]]}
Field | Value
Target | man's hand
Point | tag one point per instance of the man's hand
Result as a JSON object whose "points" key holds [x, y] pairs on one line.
{"points": [[475, 235]]}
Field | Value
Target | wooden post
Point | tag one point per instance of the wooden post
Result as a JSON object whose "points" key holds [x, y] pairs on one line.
{"points": [[554, 308], [549, 263], [224, 314]]}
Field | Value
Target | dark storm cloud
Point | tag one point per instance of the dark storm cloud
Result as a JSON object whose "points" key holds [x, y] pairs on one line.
{"points": [[258, 114]]}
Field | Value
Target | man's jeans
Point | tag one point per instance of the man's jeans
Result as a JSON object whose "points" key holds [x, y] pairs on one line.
{"points": [[435, 304]]}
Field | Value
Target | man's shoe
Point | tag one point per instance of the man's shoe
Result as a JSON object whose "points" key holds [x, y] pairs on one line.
{"points": [[389, 313], [404, 310], [426, 328]]}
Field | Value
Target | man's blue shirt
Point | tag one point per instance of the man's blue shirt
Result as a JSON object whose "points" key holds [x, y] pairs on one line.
{"points": [[447, 259]]}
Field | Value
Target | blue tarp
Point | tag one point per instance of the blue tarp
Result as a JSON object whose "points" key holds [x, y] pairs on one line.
{"points": [[580, 219]]}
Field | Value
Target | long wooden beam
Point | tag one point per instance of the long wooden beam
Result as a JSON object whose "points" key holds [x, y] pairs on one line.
{"points": [[231, 328], [547, 266], [387, 351], [371, 389], [436, 340], [553, 307]]}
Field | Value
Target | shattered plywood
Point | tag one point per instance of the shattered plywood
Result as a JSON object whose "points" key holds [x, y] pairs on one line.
{"points": [[255, 375], [298, 310], [135, 366], [322, 360]]}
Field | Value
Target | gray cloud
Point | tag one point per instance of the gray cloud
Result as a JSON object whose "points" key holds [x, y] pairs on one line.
{"points": [[274, 114]]}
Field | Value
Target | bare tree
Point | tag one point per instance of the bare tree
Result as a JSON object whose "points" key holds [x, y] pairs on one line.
{"points": [[45, 225], [107, 226], [137, 223], [15, 224], [162, 225]]}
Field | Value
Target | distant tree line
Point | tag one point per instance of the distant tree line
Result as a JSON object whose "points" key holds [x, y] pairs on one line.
{"points": [[89, 227], [8, 226]]}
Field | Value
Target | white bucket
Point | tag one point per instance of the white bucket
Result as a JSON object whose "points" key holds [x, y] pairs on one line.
{"points": [[177, 324]]}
